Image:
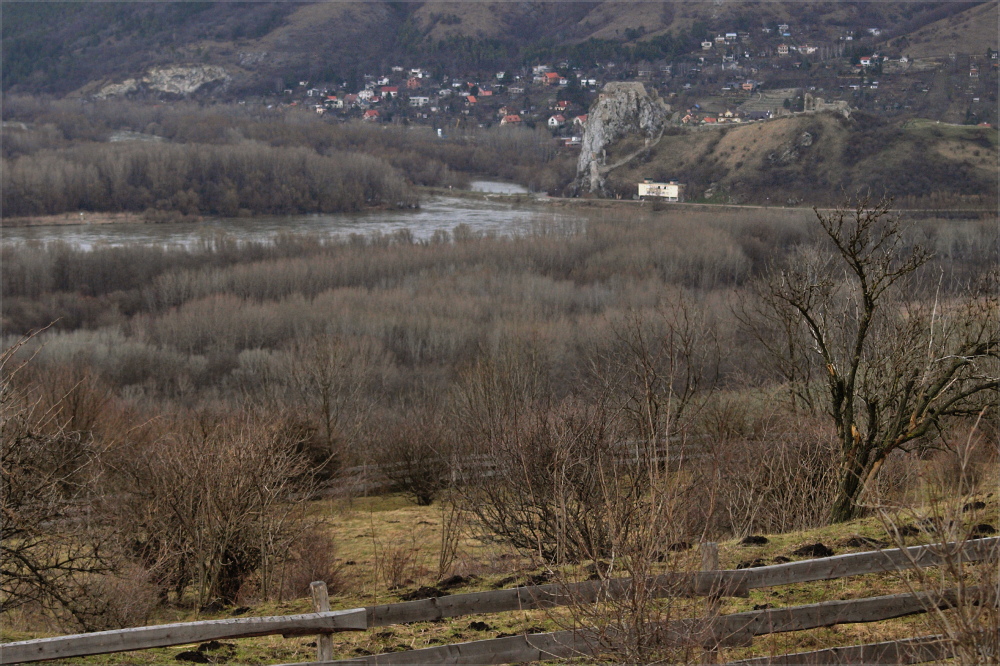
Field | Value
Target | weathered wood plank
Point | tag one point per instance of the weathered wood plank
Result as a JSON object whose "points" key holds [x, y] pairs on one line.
{"points": [[711, 583], [723, 583], [165, 635], [907, 651], [548, 596], [856, 564], [726, 631], [829, 613], [719, 583], [542, 647], [710, 562], [321, 604]]}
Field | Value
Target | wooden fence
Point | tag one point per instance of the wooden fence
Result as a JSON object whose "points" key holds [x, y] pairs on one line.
{"points": [[736, 629]]}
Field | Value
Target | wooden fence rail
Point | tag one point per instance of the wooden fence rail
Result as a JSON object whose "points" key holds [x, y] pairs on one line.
{"points": [[165, 635], [733, 630], [907, 651], [727, 629]]}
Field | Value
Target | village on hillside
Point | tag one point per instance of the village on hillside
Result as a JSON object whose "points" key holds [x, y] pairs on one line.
{"points": [[734, 77]]}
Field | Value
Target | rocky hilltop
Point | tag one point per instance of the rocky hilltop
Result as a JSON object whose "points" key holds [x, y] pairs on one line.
{"points": [[623, 109]]}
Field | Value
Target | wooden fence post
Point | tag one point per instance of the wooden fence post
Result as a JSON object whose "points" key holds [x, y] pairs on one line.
{"points": [[710, 562], [321, 604]]}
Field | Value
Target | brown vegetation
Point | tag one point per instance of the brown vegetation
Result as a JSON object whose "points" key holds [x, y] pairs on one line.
{"points": [[599, 374], [227, 161], [816, 158]]}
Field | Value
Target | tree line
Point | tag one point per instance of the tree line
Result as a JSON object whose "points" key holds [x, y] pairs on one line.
{"points": [[227, 180], [230, 160]]}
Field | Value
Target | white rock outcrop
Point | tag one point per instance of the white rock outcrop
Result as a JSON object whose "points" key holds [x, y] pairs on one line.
{"points": [[623, 109], [117, 89], [174, 79]]}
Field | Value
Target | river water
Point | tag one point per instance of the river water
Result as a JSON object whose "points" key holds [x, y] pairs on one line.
{"points": [[492, 216], [496, 187]]}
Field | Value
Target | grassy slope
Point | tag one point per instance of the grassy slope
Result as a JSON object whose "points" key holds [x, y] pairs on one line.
{"points": [[848, 154], [401, 525], [970, 32]]}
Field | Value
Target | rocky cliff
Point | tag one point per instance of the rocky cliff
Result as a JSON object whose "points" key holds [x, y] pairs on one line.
{"points": [[176, 80], [623, 109]]}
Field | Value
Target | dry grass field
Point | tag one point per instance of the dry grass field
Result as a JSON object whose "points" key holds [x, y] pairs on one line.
{"points": [[373, 532], [970, 32]]}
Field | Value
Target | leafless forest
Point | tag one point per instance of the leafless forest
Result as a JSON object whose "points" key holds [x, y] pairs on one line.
{"points": [[185, 159], [177, 407]]}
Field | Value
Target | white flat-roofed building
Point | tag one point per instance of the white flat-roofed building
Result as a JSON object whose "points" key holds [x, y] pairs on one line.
{"points": [[671, 191]]}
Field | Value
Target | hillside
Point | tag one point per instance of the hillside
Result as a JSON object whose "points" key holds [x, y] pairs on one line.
{"points": [[64, 47], [972, 31], [814, 158]]}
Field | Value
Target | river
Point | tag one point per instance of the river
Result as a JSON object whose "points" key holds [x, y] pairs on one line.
{"points": [[439, 213]]}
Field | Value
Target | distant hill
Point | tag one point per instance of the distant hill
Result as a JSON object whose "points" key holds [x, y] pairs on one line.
{"points": [[971, 31], [815, 158], [65, 47]]}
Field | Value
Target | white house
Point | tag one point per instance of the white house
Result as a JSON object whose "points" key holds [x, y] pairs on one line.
{"points": [[557, 120], [672, 191], [419, 101]]}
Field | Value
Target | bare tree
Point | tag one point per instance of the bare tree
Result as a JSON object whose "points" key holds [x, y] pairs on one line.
{"points": [[336, 379], [570, 479], [532, 472], [47, 475], [660, 370], [896, 369], [214, 504], [415, 453], [948, 520]]}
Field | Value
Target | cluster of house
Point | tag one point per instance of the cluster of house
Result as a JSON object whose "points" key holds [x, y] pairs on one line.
{"points": [[695, 117], [546, 75], [414, 88], [502, 96], [415, 83]]}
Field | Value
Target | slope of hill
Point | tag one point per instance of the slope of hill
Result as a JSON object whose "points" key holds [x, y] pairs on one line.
{"points": [[62, 47], [972, 32], [815, 158]]}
